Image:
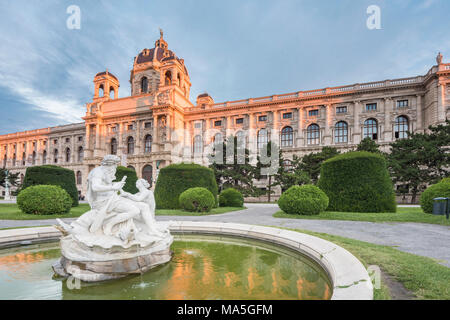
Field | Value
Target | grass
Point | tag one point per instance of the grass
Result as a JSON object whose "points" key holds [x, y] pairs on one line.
{"points": [[422, 276], [409, 214], [10, 211]]}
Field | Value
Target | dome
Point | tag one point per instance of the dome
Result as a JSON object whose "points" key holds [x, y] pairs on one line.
{"points": [[106, 73]]}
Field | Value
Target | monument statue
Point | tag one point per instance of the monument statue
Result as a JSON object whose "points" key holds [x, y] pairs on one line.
{"points": [[7, 192], [118, 236], [439, 58]]}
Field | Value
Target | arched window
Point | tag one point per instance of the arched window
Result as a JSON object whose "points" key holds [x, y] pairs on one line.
{"points": [[24, 157], [198, 145], [287, 137], [55, 156], [14, 159], [148, 143], [218, 138], [287, 164], [44, 157], [179, 79], [240, 140], [33, 159], [262, 138], [147, 174], [130, 145], [111, 92], [168, 78], [341, 132], [80, 154], [144, 85], [401, 127], [79, 177], [101, 91], [113, 146], [313, 134], [67, 155], [371, 129]]}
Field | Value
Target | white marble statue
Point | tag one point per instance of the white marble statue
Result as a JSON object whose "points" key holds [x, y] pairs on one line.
{"points": [[120, 226]]}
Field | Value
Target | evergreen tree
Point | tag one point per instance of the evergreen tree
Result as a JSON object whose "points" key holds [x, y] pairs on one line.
{"points": [[369, 145], [13, 178], [311, 163]]}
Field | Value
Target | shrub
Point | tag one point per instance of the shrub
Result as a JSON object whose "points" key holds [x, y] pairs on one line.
{"points": [[445, 180], [307, 200], [52, 175], [231, 198], [44, 199], [441, 189], [176, 178], [130, 185], [357, 182], [197, 199]]}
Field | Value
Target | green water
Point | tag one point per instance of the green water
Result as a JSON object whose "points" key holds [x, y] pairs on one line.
{"points": [[203, 267]]}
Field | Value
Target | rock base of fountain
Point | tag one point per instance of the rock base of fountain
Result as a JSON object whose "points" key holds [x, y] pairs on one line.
{"points": [[96, 263]]}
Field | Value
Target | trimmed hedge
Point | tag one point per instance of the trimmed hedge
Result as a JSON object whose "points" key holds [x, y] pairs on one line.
{"points": [[357, 182], [130, 185], [176, 178], [305, 200], [197, 200], [231, 198], [441, 189], [52, 175], [44, 200]]}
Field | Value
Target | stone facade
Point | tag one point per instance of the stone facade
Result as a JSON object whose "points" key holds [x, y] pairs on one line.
{"points": [[158, 125]]}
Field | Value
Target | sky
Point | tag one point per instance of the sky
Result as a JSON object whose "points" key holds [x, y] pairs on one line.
{"points": [[234, 49]]}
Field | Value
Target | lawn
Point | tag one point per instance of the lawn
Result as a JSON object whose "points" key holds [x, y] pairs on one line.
{"points": [[422, 276], [10, 211], [410, 214]]}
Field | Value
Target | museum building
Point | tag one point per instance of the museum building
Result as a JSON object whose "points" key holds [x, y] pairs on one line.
{"points": [[158, 124]]}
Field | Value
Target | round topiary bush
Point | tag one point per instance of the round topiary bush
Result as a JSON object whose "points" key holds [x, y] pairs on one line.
{"points": [[52, 175], [197, 200], [231, 198], [130, 184], [306, 200], [441, 189], [176, 178], [357, 182], [44, 199]]}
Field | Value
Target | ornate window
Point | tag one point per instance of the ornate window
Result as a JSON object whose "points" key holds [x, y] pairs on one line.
{"points": [[313, 113], [148, 143], [218, 138], [44, 157], [144, 85], [240, 140], [147, 174], [113, 146], [401, 127], [55, 156], [79, 179], [67, 154], [371, 107], [33, 159], [168, 78], [287, 164], [371, 129], [198, 145], [80, 154], [14, 159], [24, 157], [262, 138], [313, 134], [341, 132], [287, 137], [130, 145]]}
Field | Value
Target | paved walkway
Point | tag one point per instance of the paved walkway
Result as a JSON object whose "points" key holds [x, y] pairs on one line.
{"points": [[419, 238]]}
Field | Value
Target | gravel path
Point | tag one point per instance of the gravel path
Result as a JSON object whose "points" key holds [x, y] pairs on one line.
{"points": [[419, 238]]}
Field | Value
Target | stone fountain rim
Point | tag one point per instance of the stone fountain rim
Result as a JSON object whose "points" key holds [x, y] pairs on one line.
{"points": [[349, 278]]}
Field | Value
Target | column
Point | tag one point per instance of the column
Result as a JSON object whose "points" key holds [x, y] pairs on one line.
{"points": [[419, 124], [74, 151], [87, 137], [274, 135], [300, 119], [388, 121], [139, 142], [252, 138], [357, 137], [168, 128], [155, 134], [327, 136], [441, 102]]}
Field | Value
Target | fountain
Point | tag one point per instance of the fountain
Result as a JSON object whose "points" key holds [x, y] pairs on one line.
{"points": [[118, 236]]}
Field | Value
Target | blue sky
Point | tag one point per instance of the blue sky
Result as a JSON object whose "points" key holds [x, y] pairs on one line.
{"points": [[233, 49]]}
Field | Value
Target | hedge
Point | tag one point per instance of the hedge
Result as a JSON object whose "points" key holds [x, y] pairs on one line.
{"points": [[357, 182], [231, 198], [176, 178], [130, 185], [44, 200], [197, 200], [52, 175], [441, 189], [305, 200]]}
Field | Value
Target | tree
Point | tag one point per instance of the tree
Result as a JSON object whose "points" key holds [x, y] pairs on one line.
{"points": [[13, 178], [420, 159], [311, 163], [236, 171], [369, 145]]}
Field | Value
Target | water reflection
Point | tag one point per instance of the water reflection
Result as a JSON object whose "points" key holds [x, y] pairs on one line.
{"points": [[202, 268]]}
